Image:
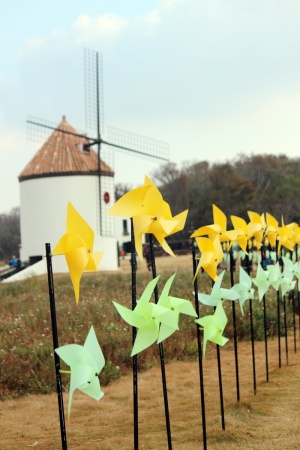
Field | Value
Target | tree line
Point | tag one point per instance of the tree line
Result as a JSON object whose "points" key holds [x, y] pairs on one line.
{"points": [[260, 183], [10, 234]]}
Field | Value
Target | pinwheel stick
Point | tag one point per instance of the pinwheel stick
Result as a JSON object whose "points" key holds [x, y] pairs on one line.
{"points": [[278, 330], [161, 352], [236, 358], [265, 324], [251, 328], [220, 382], [285, 331], [220, 386], [202, 396], [63, 432], [278, 318], [293, 308], [134, 332]]}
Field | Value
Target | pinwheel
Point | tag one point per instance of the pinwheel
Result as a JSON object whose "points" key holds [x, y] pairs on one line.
{"points": [[217, 293], [287, 282], [161, 225], [261, 281], [289, 265], [285, 236], [176, 306], [86, 362], [275, 275], [214, 326], [296, 233], [272, 229], [142, 201], [211, 256], [245, 231], [147, 317], [259, 226], [77, 246], [244, 289], [150, 213], [283, 280], [218, 228], [294, 268]]}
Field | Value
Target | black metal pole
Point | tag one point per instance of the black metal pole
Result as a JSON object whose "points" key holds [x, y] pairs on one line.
{"points": [[266, 338], [285, 331], [294, 320], [252, 346], [278, 330], [278, 317], [200, 354], [135, 357], [161, 353], [251, 330], [236, 358], [265, 323], [63, 432], [220, 387]]}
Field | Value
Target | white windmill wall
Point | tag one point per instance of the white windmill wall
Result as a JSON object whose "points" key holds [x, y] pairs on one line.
{"points": [[44, 204]]}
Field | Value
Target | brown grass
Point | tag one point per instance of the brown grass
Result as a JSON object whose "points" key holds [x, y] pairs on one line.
{"points": [[268, 420]]}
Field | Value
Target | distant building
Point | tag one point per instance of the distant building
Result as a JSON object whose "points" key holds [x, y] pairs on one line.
{"points": [[63, 171]]}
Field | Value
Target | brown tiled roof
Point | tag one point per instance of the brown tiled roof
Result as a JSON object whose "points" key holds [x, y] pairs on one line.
{"points": [[62, 154]]}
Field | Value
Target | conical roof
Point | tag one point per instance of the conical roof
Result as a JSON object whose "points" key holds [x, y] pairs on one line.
{"points": [[62, 154]]}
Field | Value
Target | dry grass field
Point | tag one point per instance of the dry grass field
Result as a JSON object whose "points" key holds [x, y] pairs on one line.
{"points": [[268, 420]]}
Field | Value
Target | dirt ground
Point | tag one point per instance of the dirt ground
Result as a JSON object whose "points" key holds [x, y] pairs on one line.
{"points": [[268, 420]]}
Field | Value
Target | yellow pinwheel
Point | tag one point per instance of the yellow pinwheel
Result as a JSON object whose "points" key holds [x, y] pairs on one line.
{"points": [[211, 255], [259, 226], [286, 236], [245, 231], [142, 201], [77, 246], [218, 228], [150, 213], [161, 226], [272, 229]]}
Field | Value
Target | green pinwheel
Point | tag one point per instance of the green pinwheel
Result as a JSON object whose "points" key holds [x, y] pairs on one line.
{"points": [[214, 326], [261, 281], [295, 269], [244, 289], [147, 317], [287, 282], [86, 362], [218, 293], [274, 275], [176, 306]]}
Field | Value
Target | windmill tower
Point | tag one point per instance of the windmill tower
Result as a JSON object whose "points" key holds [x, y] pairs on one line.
{"points": [[64, 169]]}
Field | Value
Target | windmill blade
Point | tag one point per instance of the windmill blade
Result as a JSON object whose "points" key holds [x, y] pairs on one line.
{"points": [[137, 144], [93, 89], [39, 130]]}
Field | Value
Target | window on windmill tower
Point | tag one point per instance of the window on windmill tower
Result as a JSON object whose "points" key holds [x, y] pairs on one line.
{"points": [[86, 149], [125, 228]]}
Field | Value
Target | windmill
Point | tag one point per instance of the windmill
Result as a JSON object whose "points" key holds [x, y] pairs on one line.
{"points": [[137, 145]]}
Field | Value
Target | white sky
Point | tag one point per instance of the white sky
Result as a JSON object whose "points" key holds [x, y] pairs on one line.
{"points": [[213, 78]]}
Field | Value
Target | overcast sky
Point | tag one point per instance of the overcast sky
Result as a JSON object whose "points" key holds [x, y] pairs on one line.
{"points": [[213, 78]]}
